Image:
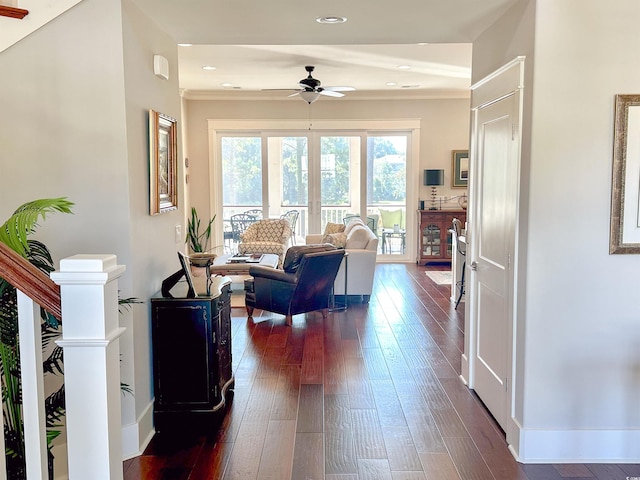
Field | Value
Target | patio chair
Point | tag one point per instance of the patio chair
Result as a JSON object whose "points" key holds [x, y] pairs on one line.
{"points": [[239, 224], [292, 217], [255, 212]]}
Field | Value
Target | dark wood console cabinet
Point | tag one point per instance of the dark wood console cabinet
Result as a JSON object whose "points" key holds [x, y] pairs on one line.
{"points": [[434, 239], [191, 355]]}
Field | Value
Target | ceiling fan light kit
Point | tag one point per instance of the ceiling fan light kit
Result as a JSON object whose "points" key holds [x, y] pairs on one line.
{"points": [[309, 96]]}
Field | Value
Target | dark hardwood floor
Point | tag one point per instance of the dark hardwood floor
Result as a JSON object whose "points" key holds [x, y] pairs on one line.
{"points": [[371, 393]]}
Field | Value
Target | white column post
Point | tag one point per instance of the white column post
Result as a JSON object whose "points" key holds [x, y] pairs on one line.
{"points": [[90, 331]]}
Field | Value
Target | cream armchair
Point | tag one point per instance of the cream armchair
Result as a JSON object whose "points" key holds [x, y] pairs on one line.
{"points": [[266, 236], [361, 244]]}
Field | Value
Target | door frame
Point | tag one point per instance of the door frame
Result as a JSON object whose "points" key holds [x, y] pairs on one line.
{"points": [[507, 80], [221, 127]]}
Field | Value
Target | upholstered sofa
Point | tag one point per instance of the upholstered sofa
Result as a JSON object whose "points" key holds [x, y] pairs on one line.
{"points": [[361, 244]]}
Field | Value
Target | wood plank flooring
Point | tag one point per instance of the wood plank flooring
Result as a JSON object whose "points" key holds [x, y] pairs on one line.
{"points": [[371, 393]]}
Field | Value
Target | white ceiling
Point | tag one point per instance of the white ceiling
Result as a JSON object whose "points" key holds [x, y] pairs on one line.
{"points": [[257, 45]]}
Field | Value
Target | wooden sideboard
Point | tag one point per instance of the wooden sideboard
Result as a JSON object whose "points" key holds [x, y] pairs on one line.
{"points": [[434, 239], [191, 356]]}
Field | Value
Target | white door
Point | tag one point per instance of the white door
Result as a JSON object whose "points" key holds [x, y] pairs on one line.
{"points": [[495, 180]]}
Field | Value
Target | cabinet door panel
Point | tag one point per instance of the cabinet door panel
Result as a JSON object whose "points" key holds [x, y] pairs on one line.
{"points": [[182, 350]]}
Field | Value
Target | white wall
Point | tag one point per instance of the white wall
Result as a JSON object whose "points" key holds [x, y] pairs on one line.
{"points": [[593, 354], [152, 238], [444, 127], [579, 379], [73, 123]]}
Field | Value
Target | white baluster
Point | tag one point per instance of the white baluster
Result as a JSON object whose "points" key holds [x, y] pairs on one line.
{"points": [[34, 415]]}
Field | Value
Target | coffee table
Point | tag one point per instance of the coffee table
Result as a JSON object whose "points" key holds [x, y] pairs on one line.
{"points": [[221, 265], [238, 272]]}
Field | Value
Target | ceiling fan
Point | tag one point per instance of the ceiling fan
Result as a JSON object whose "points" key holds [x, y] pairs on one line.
{"points": [[310, 89]]}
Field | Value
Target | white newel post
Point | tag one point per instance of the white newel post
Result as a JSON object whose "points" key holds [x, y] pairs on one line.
{"points": [[90, 331]]}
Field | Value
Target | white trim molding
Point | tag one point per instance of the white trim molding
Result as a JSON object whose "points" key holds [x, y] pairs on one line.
{"points": [[577, 446]]}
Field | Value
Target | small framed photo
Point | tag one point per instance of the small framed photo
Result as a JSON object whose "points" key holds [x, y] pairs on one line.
{"points": [[163, 171], [186, 270], [460, 168]]}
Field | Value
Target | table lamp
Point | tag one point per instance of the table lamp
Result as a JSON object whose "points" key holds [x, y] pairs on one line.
{"points": [[433, 178]]}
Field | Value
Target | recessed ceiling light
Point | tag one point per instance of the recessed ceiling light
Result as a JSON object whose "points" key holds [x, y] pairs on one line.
{"points": [[423, 43], [404, 67], [331, 19], [391, 84], [227, 85], [185, 44], [208, 67]]}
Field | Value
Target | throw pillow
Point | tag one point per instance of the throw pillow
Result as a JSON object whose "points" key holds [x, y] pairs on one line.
{"points": [[337, 239], [334, 228], [358, 238]]}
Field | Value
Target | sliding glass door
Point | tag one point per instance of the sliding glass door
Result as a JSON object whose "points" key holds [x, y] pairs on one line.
{"points": [[288, 179], [387, 191], [339, 188], [326, 176]]}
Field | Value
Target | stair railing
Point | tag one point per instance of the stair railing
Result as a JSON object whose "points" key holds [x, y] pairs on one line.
{"points": [[84, 292]]}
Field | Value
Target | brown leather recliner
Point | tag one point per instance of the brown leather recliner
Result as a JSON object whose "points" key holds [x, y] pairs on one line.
{"points": [[303, 285]]}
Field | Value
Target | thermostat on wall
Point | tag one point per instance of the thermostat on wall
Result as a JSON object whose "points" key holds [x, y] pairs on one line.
{"points": [[161, 66]]}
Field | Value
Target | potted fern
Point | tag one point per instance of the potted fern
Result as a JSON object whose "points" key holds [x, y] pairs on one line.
{"points": [[14, 233], [199, 240]]}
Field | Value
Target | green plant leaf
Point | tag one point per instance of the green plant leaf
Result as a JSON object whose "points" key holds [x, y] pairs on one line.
{"points": [[24, 221], [198, 242]]}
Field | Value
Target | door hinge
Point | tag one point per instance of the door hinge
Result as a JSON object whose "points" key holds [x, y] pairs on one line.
{"points": [[513, 131], [506, 384]]}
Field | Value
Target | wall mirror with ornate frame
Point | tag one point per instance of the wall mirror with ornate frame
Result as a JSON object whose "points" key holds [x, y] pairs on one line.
{"points": [[625, 189], [163, 166]]}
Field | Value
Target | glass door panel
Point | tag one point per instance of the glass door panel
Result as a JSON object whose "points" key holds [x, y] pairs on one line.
{"points": [[339, 178], [431, 241], [241, 180], [387, 191], [288, 181]]}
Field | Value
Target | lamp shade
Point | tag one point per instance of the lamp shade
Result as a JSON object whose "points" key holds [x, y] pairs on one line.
{"points": [[434, 177]]}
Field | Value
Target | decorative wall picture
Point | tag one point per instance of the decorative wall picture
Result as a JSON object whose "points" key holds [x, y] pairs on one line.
{"points": [[460, 168], [625, 188], [163, 172]]}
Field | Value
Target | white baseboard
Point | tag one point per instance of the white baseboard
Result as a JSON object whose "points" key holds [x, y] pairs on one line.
{"points": [[464, 371], [577, 446], [136, 436]]}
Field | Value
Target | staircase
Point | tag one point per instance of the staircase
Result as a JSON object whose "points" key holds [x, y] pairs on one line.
{"points": [[84, 293], [16, 23]]}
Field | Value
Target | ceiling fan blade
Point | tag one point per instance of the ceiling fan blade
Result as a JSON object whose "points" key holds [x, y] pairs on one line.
{"points": [[280, 90], [340, 89], [294, 94], [329, 93]]}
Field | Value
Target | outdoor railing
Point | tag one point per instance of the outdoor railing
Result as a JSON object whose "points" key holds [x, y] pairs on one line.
{"points": [[85, 294]]}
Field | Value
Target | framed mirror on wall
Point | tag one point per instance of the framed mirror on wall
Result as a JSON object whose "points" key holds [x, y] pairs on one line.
{"points": [[163, 166], [625, 188]]}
